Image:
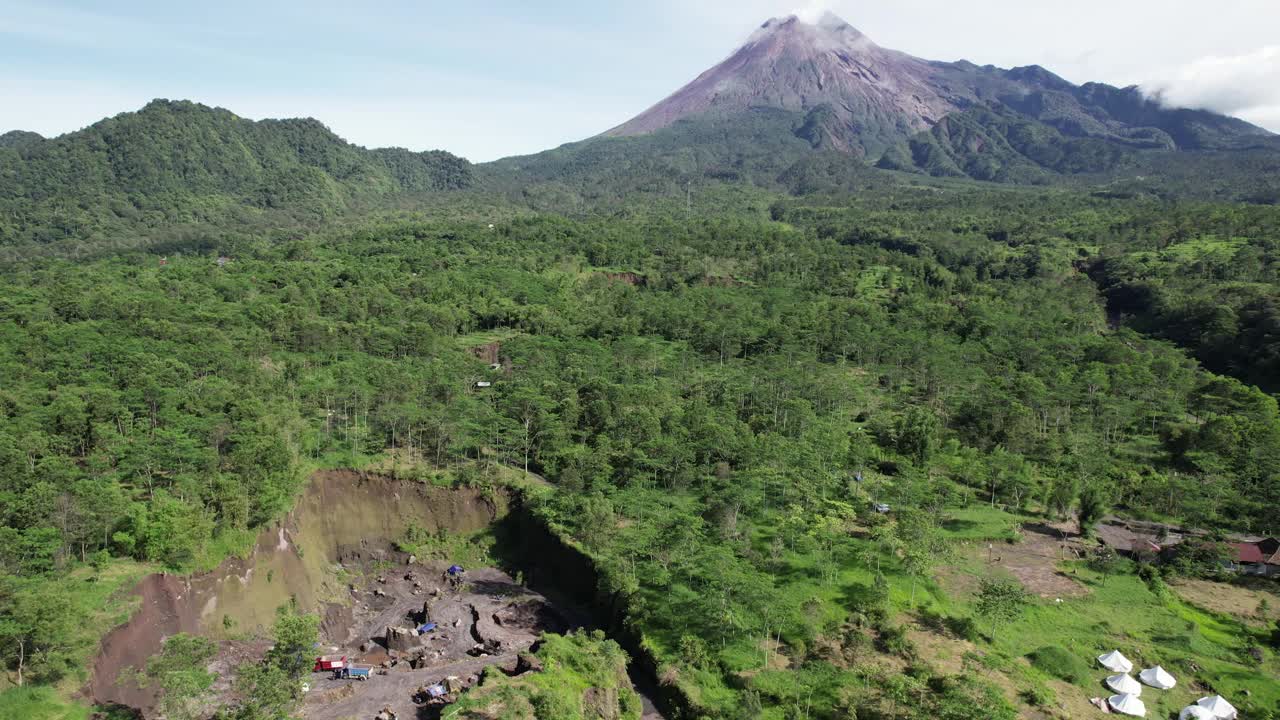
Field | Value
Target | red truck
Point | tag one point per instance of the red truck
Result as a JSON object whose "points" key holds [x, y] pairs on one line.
{"points": [[328, 663]]}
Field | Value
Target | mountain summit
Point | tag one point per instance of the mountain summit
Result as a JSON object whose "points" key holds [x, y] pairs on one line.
{"points": [[877, 95], [857, 97]]}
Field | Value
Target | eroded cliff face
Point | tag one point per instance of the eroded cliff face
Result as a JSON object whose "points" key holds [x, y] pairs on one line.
{"points": [[342, 515]]}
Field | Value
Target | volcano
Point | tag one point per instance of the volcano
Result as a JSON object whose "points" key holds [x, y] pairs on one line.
{"points": [[862, 99]]}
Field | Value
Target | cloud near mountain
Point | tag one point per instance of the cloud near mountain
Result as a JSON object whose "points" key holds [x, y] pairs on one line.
{"points": [[1245, 85]]}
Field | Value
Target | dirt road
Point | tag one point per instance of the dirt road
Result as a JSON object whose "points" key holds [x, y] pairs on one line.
{"points": [[332, 700]]}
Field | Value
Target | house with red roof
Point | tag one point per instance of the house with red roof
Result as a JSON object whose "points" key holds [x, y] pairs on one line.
{"points": [[1258, 558]]}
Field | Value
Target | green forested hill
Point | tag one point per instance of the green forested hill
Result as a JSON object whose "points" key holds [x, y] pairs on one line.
{"points": [[180, 162], [787, 151], [19, 138], [126, 180], [1000, 144]]}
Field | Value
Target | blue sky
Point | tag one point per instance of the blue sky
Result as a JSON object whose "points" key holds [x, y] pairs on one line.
{"points": [[490, 79]]}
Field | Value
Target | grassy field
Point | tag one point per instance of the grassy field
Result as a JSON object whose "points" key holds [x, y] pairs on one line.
{"points": [[38, 703], [1208, 652]]}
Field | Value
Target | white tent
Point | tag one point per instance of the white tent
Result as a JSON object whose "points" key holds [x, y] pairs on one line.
{"points": [[1116, 662], [1219, 707], [1157, 678], [1128, 704], [1124, 685], [1195, 712]]}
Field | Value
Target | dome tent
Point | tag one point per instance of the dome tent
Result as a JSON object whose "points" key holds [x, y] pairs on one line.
{"points": [[1124, 685], [1219, 706], [1157, 678], [1195, 712], [1116, 662], [1128, 704]]}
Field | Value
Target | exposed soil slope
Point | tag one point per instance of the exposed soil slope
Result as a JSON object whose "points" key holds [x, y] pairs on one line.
{"points": [[342, 516]]}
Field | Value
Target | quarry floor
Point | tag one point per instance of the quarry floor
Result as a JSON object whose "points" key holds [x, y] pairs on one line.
{"points": [[485, 619]]}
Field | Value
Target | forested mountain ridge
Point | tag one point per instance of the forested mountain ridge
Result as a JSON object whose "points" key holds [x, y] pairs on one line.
{"points": [[16, 138], [177, 161]]}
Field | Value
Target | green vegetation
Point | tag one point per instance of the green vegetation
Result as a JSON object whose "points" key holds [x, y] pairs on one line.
{"points": [[1201, 283], [583, 676], [469, 550], [272, 689], [1063, 664], [179, 673], [180, 163], [39, 703], [50, 624], [1000, 602], [717, 427]]}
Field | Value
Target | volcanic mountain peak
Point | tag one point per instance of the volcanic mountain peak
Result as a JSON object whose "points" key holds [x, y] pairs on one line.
{"points": [[794, 37], [848, 94], [828, 26], [878, 95]]}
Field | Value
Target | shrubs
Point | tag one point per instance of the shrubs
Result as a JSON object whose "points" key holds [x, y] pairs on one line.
{"points": [[963, 628], [894, 640], [1039, 696], [1061, 663]]}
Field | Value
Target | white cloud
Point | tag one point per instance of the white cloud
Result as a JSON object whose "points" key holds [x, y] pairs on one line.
{"points": [[1246, 85], [813, 11], [1267, 117]]}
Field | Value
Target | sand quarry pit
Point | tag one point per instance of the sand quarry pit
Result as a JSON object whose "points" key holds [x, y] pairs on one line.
{"points": [[482, 619], [334, 554]]}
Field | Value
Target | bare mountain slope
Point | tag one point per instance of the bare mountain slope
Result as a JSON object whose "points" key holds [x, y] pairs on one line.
{"points": [[880, 95]]}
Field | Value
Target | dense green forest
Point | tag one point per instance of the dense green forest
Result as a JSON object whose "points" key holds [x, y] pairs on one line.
{"points": [[717, 396], [181, 163], [136, 180]]}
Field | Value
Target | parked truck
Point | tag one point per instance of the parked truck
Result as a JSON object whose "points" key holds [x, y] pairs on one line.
{"points": [[350, 672], [328, 663]]}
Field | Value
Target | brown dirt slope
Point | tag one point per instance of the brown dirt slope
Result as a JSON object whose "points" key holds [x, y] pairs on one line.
{"points": [[341, 512]]}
